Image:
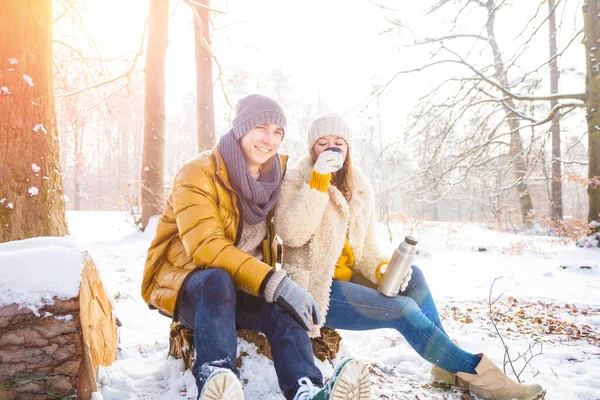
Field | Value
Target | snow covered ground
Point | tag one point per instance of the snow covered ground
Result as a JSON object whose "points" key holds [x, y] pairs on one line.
{"points": [[558, 306]]}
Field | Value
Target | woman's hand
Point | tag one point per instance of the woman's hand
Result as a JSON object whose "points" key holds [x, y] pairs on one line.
{"points": [[328, 162]]}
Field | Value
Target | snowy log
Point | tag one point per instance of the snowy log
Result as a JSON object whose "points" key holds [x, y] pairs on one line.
{"points": [[53, 350], [257, 339]]}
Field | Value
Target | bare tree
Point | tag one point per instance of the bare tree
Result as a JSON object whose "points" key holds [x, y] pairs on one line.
{"points": [[153, 156], [484, 101], [556, 198], [591, 41], [514, 123], [204, 80], [32, 202], [99, 106]]}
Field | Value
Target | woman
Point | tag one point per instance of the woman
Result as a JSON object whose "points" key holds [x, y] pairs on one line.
{"points": [[325, 219]]}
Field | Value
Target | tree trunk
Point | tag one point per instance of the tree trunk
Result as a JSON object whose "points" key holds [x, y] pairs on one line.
{"points": [[516, 145], [153, 155], [31, 198], [204, 83], [557, 203], [78, 167], [591, 41]]}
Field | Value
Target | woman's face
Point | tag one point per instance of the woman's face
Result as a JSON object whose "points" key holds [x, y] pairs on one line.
{"points": [[331, 141]]}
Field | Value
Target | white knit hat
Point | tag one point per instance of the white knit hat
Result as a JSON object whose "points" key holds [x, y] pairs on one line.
{"points": [[328, 125]]}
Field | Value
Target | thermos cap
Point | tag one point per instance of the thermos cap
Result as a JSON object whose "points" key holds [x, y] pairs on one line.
{"points": [[411, 240]]}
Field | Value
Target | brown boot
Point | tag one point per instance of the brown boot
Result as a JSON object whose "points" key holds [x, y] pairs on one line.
{"points": [[491, 383], [440, 375]]}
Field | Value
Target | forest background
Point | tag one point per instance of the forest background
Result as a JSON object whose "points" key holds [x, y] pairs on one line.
{"points": [[438, 140]]}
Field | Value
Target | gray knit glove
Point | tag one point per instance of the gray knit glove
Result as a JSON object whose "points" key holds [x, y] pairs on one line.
{"points": [[294, 298]]}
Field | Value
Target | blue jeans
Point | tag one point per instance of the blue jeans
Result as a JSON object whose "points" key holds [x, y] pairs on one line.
{"points": [[412, 313], [210, 305]]}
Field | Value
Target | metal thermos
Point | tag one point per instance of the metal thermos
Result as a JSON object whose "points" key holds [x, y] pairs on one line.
{"points": [[398, 266]]}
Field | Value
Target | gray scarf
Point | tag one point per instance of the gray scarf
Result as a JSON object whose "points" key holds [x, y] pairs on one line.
{"points": [[257, 196]]}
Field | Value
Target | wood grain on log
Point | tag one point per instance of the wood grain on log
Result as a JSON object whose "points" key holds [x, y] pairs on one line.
{"points": [[56, 353]]}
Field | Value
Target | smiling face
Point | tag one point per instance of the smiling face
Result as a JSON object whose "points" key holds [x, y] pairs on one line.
{"points": [[330, 141], [260, 144]]}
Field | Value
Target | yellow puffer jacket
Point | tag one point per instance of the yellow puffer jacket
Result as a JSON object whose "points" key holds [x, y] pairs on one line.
{"points": [[199, 228]]}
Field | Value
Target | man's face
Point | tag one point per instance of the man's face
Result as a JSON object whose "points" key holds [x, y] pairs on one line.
{"points": [[260, 144]]}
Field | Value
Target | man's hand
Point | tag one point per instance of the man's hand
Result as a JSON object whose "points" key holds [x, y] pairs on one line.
{"points": [[295, 299], [328, 162]]}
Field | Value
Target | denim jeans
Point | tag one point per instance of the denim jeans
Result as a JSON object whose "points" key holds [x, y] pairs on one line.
{"points": [[210, 305], [412, 313]]}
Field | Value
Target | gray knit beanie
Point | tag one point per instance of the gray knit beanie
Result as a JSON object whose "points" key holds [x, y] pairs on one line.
{"points": [[256, 109], [328, 125]]}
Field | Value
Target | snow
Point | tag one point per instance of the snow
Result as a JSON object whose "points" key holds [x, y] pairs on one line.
{"points": [[28, 80], [35, 167], [66, 318], [540, 275], [40, 127], [34, 271], [13, 60], [33, 191], [5, 90]]}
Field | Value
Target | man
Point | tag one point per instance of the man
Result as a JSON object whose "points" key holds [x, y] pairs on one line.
{"points": [[211, 264]]}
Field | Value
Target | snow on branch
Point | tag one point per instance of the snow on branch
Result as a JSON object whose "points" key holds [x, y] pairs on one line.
{"points": [[573, 96], [450, 37], [522, 115]]}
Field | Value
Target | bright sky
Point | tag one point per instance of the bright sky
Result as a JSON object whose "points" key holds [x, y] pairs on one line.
{"points": [[332, 49], [326, 44]]}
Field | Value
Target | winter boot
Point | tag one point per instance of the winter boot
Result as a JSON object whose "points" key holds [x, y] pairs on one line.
{"points": [[350, 381], [222, 384], [440, 375], [492, 384]]}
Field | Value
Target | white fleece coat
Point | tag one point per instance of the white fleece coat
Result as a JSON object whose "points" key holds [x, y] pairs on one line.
{"points": [[313, 226]]}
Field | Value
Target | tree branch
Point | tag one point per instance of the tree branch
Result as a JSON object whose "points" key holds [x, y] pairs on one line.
{"points": [[125, 75], [206, 45], [450, 37], [193, 3], [574, 96]]}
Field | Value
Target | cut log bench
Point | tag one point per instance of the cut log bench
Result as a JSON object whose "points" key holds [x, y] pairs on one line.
{"points": [[56, 354]]}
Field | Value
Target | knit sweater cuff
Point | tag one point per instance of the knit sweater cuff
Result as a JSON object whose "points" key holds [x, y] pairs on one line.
{"points": [[272, 284], [319, 181]]}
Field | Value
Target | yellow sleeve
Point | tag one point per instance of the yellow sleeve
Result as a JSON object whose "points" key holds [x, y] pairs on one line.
{"points": [[319, 181], [343, 268], [203, 235]]}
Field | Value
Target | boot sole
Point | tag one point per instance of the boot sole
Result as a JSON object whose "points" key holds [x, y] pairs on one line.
{"points": [[222, 386], [353, 382]]}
